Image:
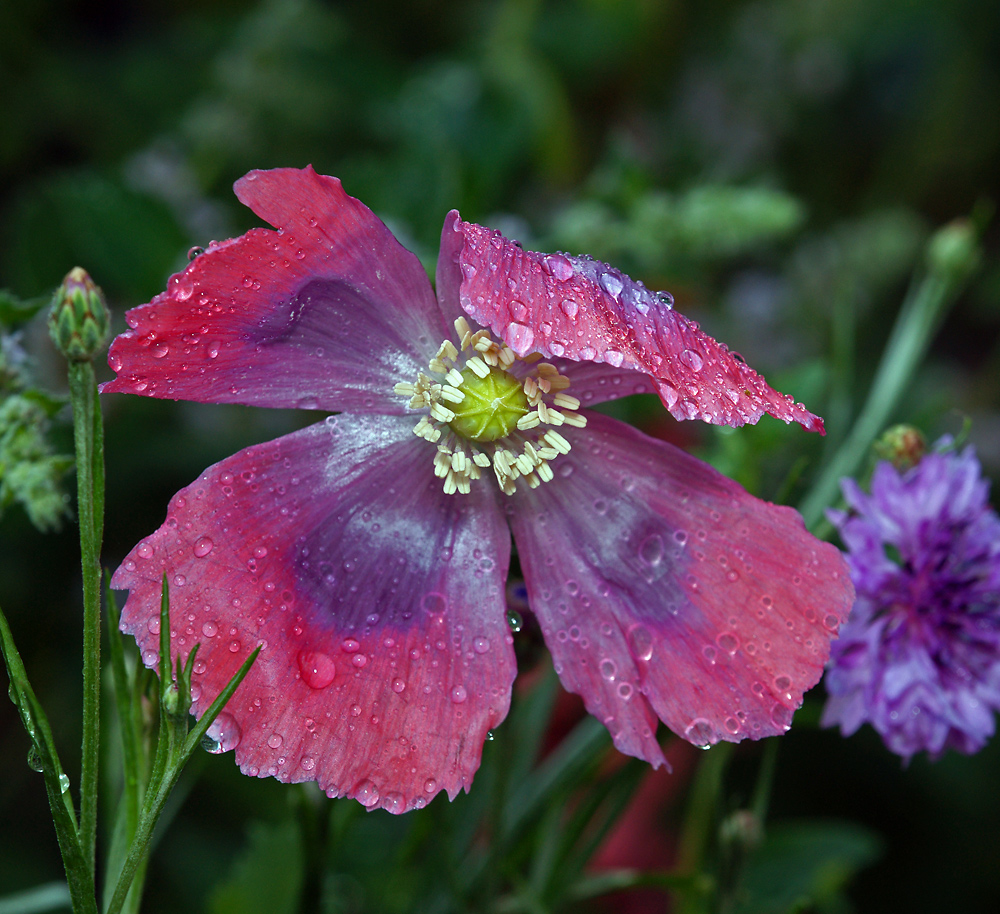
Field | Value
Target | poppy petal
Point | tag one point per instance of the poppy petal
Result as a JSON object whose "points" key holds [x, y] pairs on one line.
{"points": [[588, 311], [664, 589], [379, 602], [328, 312]]}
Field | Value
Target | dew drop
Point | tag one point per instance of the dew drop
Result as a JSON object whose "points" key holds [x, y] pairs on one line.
{"points": [[224, 733], [202, 547], [398, 686], [692, 359], [160, 350], [514, 620], [210, 629], [366, 793], [308, 763], [430, 785], [144, 551], [520, 337], [611, 284], [434, 603], [608, 669], [559, 266], [700, 732], [625, 691], [782, 683], [350, 646], [614, 358], [569, 308], [394, 803], [640, 642], [781, 716], [317, 669], [732, 724], [728, 642], [459, 694], [274, 740], [481, 645], [195, 252], [651, 550]]}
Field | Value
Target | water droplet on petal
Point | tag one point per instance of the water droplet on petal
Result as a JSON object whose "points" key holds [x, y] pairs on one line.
{"points": [[732, 724], [692, 359], [559, 266], [514, 620], [398, 686], [459, 694], [481, 645], [144, 551], [210, 629], [728, 642], [614, 358], [700, 732], [611, 284], [274, 740], [782, 683], [640, 642], [569, 308], [608, 669], [202, 547], [308, 763], [394, 803], [224, 733], [651, 550], [317, 669], [195, 252], [366, 793], [520, 337], [781, 716]]}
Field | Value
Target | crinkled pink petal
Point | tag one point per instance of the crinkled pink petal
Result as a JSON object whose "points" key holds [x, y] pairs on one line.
{"points": [[328, 312], [664, 589], [588, 311], [379, 602]]}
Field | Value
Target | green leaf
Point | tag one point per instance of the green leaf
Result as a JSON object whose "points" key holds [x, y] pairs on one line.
{"points": [[267, 877], [805, 865]]}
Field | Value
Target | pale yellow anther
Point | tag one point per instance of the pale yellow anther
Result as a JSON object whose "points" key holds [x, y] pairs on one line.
{"points": [[507, 357], [554, 440], [437, 366], [528, 421], [543, 412], [404, 389], [547, 370], [480, 459], [478, 367], [461, 327], [544, 472], [544, 385], [454, 378], [447, 350], [441, 413], [566, 401], [481, 341], [530, 389], [575, 419], [524, 464], [458, 461], [560, 382], [555, 417], [451, 394], [532, 480], [547, 453]]}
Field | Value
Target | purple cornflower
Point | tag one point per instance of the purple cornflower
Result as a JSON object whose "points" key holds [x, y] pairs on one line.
{"points": [[919, 658]]}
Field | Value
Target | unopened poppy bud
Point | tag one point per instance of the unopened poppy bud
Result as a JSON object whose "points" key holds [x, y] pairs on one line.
{"points": [[902, 446], [954, 249], [79, 320]]}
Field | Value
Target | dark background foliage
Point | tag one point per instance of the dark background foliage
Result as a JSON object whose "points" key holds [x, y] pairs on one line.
{"points": [[777, 164]]}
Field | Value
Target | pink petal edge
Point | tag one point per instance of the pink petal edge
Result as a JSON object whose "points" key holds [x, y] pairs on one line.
{"points": [[328, 312], [585, 310], [665, 590]]}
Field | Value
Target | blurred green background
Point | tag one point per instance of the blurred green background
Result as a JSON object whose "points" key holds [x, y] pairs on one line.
{"points": [[778, 165]]}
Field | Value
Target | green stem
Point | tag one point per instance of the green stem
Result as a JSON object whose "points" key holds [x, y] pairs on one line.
{"points": [[173, 753], [907, 345], [88, 437]]}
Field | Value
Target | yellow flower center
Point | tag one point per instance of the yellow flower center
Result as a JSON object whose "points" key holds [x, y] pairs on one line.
{"points": [[479, 414], [491, 407]]}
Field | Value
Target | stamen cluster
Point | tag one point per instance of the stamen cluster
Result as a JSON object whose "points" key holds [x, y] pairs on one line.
{"points": [[479, 414]]}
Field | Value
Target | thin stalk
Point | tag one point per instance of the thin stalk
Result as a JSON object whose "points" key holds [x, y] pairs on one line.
{"points": [[88, 438]]}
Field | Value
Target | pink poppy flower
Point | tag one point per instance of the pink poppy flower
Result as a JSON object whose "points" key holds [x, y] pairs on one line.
{"points": [[368, 553]]}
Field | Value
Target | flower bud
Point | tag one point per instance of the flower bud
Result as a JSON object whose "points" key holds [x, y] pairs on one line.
{"points": [[79, 320], [902, 446], [954, 250]]}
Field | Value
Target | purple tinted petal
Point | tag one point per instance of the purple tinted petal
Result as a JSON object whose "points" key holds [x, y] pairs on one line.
{"points": [[588, 311], [378, 600], [328, 312], [665, 590]]}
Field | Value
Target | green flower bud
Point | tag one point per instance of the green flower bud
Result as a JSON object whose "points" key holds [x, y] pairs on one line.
{"points": [[954, 249], [902, 446], [79, 319]]}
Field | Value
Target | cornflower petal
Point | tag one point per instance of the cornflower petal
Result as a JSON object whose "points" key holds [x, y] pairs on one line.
{"points": [[328, 312], [665, 590], [378, 600], [583, 309], [920, 657]]}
